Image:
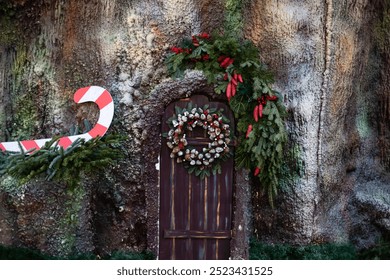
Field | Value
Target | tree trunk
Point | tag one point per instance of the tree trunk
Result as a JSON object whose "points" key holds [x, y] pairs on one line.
{"points": [[329, 69], [329, 62]]}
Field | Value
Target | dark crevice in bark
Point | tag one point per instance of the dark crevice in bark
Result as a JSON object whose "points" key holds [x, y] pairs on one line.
{"points": [[328, 10]]}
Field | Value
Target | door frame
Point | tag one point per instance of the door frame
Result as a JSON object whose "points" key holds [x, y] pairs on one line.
{"points": [[154, 108]]}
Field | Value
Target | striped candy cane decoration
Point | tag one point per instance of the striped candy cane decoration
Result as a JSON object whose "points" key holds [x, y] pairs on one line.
{"points": [[87, 94]]}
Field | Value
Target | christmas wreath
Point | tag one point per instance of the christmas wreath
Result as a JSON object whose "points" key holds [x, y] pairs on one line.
{"points": [[209, 158], [233, 66]]}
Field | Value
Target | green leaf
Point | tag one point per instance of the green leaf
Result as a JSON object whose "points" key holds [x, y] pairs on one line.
{"points": [[266, 89], [220, 87], [250, 141], [267, 109], [246, 64]]}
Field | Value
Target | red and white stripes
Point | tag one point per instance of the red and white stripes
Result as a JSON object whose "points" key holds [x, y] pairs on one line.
{"points": [[87, 94]]}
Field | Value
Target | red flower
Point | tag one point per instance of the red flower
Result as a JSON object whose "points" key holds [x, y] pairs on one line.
{"points": [[263, 100], [256, 113], [249, 130], [204, 35], [225, 77], [195, 41], [205, 57], [226, 62], [176, 50], [240, 79], [272, 98], [229, 91], [257, 171]]}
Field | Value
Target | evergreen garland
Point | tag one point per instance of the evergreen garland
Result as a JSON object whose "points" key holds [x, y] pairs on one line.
{"points": [[234, 67], [66, 165]]}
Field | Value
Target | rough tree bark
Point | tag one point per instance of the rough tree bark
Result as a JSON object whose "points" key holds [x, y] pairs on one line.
{"points": [[328, 63], [328, 66]]}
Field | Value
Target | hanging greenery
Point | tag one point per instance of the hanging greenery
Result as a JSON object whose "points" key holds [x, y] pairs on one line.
{"points": [[64, 165], [208, 160], [233, 66]]}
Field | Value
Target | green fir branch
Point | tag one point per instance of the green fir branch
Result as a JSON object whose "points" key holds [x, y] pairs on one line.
{"points": [[63, 165]]}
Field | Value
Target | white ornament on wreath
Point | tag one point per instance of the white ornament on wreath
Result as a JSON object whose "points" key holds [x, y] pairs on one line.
{"points": [[218, 132]]}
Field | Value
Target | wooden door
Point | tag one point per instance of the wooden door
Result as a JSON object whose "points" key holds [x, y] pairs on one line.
{"points": [[195, 214]]}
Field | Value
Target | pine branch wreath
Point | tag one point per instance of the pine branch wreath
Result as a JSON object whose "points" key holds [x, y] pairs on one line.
{"points": [[208, 160]]}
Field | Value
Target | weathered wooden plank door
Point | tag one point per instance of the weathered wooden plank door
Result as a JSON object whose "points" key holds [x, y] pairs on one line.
{"points": [[195, 214]]}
